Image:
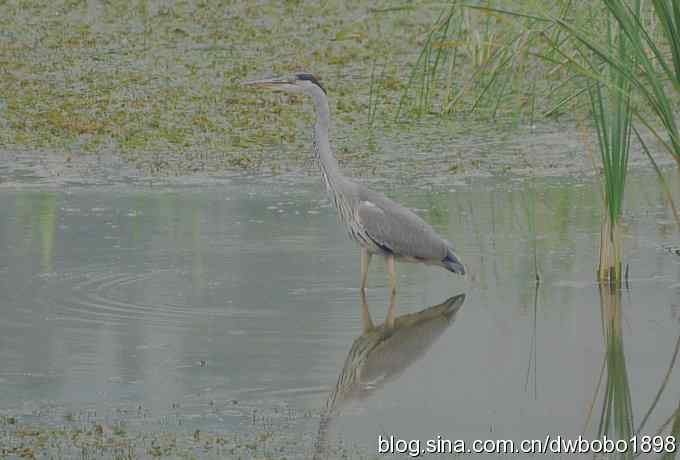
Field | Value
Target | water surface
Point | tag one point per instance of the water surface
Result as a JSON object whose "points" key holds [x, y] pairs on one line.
{"points": [[208, 306]]}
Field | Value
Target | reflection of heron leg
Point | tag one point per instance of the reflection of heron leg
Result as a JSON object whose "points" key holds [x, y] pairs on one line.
{"points": [[365, 314], [365, 261], [389, 262]]}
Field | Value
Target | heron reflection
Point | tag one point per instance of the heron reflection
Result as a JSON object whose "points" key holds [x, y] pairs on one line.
{"points": [[381, 354]]}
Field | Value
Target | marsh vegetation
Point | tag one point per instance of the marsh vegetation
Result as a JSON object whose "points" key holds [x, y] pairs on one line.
{"points": [[213, 318]]}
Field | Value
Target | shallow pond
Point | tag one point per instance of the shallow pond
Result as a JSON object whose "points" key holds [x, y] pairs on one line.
{"points": [[233, 306]]}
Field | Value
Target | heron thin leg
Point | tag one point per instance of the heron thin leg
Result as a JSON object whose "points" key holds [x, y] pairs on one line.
{"points": [[391, 271], [365, 262], [366, 314]]}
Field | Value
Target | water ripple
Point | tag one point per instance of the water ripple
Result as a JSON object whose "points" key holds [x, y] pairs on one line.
{"points": [[122, 298]]}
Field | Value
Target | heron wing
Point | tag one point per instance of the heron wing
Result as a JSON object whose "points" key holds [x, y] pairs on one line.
{"points": [[399, 230]]}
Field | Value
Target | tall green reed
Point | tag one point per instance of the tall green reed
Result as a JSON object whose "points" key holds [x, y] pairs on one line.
{"points": [[610, 96], [610, 93], [648, 68], [654, 44], [477, 61], [654, 76], [612, 114], [627, 61]]}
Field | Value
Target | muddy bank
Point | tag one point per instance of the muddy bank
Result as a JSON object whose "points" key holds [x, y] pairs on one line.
{"points": [[154, 88], [51, 431], [430, 154]]}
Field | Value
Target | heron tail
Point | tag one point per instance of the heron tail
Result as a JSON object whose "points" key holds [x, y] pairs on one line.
{"points": [[452, 263]]}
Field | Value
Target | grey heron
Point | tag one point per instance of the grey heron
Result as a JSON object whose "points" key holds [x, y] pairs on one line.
{"points": [[379, 225]]}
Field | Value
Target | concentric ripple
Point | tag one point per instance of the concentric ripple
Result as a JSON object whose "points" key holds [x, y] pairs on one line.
{"points": [[123, 298]]}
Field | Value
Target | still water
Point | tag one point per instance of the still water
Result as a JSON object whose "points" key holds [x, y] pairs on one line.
{"points": [[223, 306]]}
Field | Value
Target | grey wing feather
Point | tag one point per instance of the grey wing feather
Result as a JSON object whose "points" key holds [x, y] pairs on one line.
{"points": [[398, 229]]}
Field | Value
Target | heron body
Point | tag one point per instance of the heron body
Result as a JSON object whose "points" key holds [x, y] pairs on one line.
{"points": [[379, 225]]}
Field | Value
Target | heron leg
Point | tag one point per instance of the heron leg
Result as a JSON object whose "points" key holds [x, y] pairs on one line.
{"points": [[391, 271], [365, 262], [366, 314]]}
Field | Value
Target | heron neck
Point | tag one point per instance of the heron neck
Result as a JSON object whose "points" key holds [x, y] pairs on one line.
{"points": [[322, 145]]}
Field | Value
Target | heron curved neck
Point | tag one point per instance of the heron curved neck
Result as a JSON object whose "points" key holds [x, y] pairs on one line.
{"points": [[322, 145]]}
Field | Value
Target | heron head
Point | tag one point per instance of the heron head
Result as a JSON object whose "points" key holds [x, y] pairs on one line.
{"points": [[297, 83]]}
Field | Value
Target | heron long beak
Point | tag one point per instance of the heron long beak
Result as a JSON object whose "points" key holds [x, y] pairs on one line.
{"points": [[268, 83]]}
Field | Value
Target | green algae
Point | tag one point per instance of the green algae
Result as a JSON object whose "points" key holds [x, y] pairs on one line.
{"points": [[163, 79]]}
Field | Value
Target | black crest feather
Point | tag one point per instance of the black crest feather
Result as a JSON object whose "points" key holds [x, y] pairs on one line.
{"points": [[312, 78]]}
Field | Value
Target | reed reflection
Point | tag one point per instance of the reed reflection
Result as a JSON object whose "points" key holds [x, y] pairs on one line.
{"points": [[381, 354], [616, 419]]}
